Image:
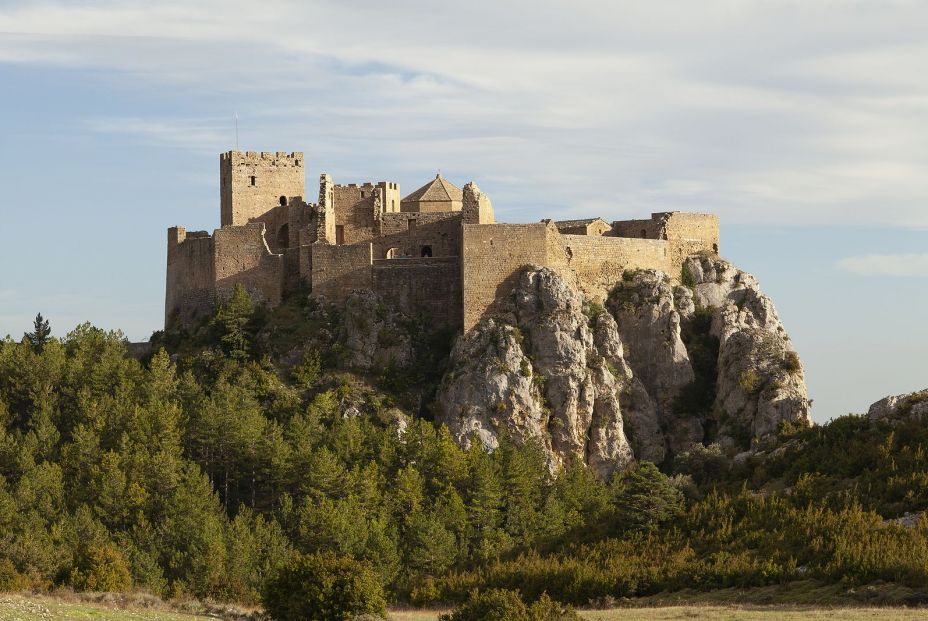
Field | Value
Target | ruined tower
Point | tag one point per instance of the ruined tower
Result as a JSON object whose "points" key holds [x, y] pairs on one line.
{"points": [[252, 184]]}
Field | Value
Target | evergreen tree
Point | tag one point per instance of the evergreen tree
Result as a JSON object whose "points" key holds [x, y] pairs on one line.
{"points": [[646, 499], [41, 333], [232, 319]]}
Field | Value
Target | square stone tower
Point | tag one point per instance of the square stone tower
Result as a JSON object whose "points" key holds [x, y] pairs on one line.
{"points": [[252, 184]]}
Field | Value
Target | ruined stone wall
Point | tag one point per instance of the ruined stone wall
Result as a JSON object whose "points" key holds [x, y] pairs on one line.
{"points": [[242, 256], [431, 206], [357, 208], [251, 184], [476, 206], [325, 210], [597, 228], [391, 196], [277, 225], [428, 288], [596, 263], [338, 270], [408, 234], [355, 213], [491, 256], [189, 288], [652, 228]]}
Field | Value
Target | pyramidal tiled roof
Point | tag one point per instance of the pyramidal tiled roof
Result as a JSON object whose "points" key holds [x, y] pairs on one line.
{"points": [[438, 189]]}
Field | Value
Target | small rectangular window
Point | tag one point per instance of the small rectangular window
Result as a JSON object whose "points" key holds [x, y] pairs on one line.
{"points": [[339, 234], [253, 180], [411, 224]]}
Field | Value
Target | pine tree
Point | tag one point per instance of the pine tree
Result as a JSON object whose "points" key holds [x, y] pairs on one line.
{"points": [[42, 332], [232, 319]]}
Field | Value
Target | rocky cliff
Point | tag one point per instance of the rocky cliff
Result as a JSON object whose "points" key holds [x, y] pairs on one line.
{"points": [[659, 368], [899, 407]]}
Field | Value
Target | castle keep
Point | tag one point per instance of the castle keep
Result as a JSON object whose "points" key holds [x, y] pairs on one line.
{"points": [[437, 252]]}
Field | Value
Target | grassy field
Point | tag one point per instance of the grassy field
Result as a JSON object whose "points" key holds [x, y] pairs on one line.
{"points": [[45, 608], [723, 613], [19, 608]]}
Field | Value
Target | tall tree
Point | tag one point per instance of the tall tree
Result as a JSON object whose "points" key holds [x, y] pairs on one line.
{"points": [[232, 319], [41, 333]]}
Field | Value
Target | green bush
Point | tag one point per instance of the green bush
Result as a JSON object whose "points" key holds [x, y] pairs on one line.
{"points": [[101, 567], [749, 381], [506, 605], [323, 587], [791, 362], [687, 277]]}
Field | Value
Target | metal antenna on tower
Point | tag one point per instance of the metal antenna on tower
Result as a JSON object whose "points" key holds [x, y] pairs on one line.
{"points": [[236, 131]]}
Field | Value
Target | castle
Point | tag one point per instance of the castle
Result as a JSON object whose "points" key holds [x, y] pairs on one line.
{"points": [[437, 252]]}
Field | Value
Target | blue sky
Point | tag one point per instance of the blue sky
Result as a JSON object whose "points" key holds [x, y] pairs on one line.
{"points": [[802, 124]]}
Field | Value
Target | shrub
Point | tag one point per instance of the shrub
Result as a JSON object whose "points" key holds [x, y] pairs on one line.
{"points": [[592, 310], [492, 605], [505, 605], [749, 381], [324, 587], [687, 277], [703, 463], [791, 362], [307, 372], [546, 609], [10, 579], [101, 567]]}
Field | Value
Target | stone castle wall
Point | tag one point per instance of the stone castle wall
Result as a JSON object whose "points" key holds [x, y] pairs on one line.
{"points": [[690, 233], [640, 229], [409, 234], [242, 256], [190, 280], [358, 209], [597, 263], [355, 213], [338, 270], [425, 288], [251, 184], [492, 255]]}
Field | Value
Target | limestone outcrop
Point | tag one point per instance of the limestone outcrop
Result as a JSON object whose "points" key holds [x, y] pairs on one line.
{"points": [[373, 334], [899, 407], [537, 374], [661, 367], [760, 381]]}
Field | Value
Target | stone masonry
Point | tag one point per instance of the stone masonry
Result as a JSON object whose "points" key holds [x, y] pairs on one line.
{"points": [[437, 253]]}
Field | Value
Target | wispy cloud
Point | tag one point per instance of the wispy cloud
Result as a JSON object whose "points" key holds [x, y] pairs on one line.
{"points": [[899, 265], [627, 106], [194, 134]]}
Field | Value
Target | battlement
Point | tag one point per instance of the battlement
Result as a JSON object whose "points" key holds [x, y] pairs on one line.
{"points": [[263, 158], [388, 185]]}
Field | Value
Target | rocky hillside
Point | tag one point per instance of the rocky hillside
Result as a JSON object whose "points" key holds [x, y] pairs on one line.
{"points": [[659, 368]]}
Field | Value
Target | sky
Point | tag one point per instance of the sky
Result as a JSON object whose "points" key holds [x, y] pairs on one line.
{"points": [[802, 124]]}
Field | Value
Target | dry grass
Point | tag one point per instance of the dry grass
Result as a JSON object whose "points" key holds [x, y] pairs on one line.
{"points": [[721, 613], [69, 607]]}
